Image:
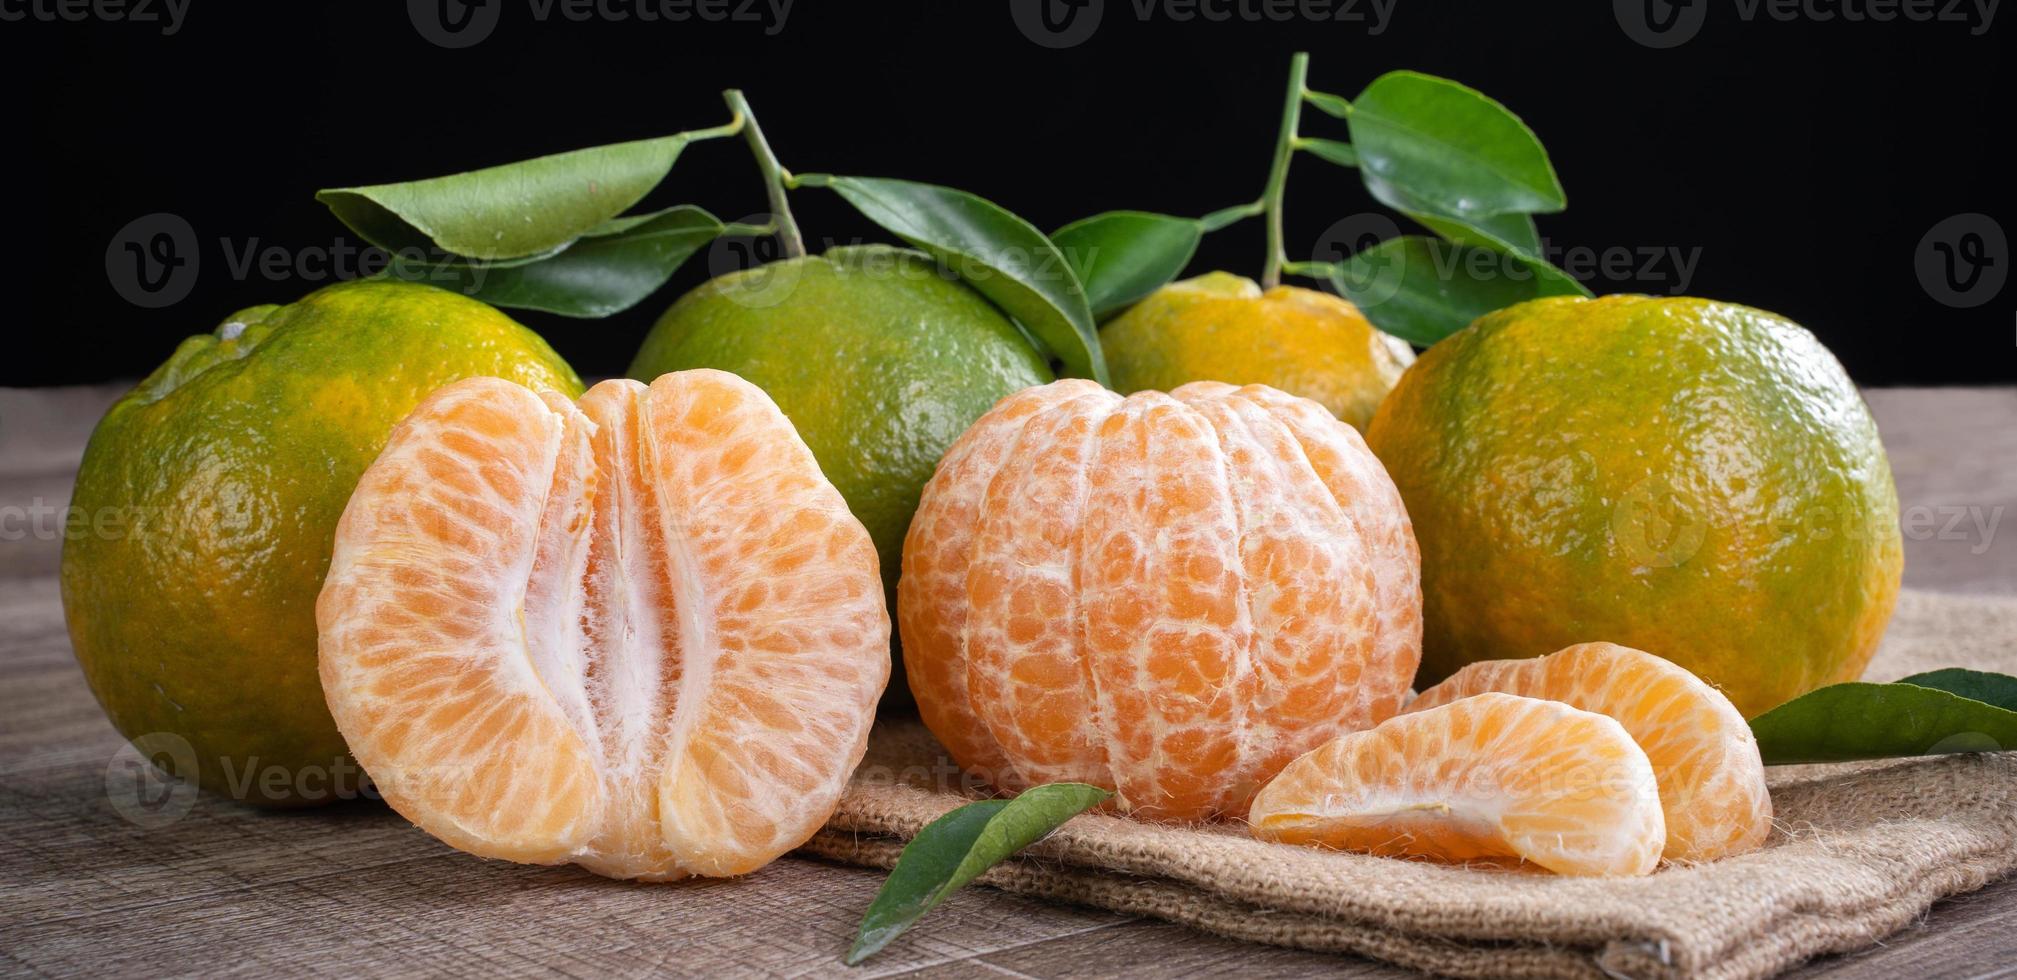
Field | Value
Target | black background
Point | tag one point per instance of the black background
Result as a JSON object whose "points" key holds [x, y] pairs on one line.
{"points": [[1806, 159]]}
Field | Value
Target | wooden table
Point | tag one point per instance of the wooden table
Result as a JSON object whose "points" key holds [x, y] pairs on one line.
{"points": [[353, 889]]}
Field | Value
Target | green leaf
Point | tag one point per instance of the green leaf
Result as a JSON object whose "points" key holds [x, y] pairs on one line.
{"points": [[510, 211], [1510, 232], [1847, 722], [1430, 143], [610, 269], [1422, 290], [956, 848], [1122, 256], [1002, 256], [1980, 685], [1336, 151]]}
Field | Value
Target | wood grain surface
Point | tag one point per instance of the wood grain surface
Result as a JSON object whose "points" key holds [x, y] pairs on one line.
{"points": [[349, 890]]}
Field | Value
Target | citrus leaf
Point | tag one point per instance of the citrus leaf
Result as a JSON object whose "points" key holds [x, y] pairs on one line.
{"points": [[1427, 141], [1510, 232], [1337, 151], [1000, 255], [607, 270], [1847, 722], [1122, 256], [957, 848], [1422, 290], [1979, 685], [509, 211]]}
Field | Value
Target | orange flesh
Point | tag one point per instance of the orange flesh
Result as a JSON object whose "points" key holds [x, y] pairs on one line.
{"points": [[1494, 778], [1167, 595], [642, 634], [1712, 781]]}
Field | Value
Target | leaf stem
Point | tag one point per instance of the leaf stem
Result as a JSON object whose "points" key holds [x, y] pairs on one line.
{"points": [[733, 127], [1278, 173], [1311, 270], [1226, 216], [775, 177], [736, 229]]}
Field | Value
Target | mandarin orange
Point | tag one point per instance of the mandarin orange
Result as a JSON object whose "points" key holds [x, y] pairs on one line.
{"points": [[640, 633], [1168, 595]]}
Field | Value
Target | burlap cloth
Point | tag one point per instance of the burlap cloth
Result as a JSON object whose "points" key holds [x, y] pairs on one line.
{"points": [[1859, 851]]}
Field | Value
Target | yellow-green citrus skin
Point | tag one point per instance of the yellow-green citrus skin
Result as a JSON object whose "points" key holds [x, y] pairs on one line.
{"points": [[1692, 478], [212, 493], [877, 358], [1223, 327]]}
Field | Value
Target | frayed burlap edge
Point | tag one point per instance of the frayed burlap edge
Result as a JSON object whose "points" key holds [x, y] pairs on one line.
{"points": [[1859, 852]]}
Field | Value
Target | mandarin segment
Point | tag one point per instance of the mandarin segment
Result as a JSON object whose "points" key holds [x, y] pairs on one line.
{"points": [[641, 634], [931, 594], [783, 588], [1022, 601], [1491, 778], [1712, 780], [1167, 631], [1169, 595]]}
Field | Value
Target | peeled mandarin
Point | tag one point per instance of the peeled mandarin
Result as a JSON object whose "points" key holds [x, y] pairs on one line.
{"points": [[1167, 595], [640, 633]]}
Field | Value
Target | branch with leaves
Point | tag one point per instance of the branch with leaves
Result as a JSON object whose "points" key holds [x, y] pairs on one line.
{"points": [[552, 234]]}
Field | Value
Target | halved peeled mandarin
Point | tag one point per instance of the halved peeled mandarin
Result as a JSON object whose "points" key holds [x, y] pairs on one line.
{"points": [[1495, 778], [641, 633], [1712, 780]]}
